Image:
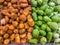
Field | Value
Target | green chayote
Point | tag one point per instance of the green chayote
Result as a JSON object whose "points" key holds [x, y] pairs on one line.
{"points": [[35, 33], [42, 32], [53, 25], [33, 41]]}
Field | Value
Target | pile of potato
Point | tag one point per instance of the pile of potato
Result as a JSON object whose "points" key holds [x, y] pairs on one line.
{"points": [[16, 23]]}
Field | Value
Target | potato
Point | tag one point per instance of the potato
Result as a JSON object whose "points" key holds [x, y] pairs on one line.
{"points": [[10, 32], [23, 5], [16, 31], [26, 25], [17, 39], [23, 41], [21, 11], [23, 1], [6, 36], [23, 35], [1, 39], [6, 41], [26, 10], [13, 1], [29, 36], [6, 19], [15, 23], [5, 3], [22, 31], [9, 4], [21, 25], [11, 27], [4, 28], [30, 29], [30, 20], [23, 17], [12, 37], [13, 16], [2, 32], [1, 1]]}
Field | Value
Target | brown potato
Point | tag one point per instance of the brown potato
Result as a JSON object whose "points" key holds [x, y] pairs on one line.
{"points": [[26, 25], [5, 3], [29, 8], [13, 16], [5, 12], [12, 37], [6, 41], [6, 36], [14, 5], [21, 11], [24, 12], [1, 1], [11, 9], [23, 35], [15, 23], [11, 27], [10, 21], [2, 32], [29, 17], [23, 5], [22, 31], [23, 18], [23, 1], [8, 0], [30, 20], [31, 23], [29, 36], [13, 1], [9, 4], [4, 28], [6, 19], [10, 32], [30, 29], [17, 19], [17, 39], [21, 25], [16, 31], [1, 39], [23, 41]]}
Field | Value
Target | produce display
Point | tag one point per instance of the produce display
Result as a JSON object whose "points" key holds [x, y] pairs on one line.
{"points": [[46, 15], [16, 23], [29, 21]]}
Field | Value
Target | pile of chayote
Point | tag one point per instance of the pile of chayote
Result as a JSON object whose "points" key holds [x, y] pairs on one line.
{"points": [[46, 14]]}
